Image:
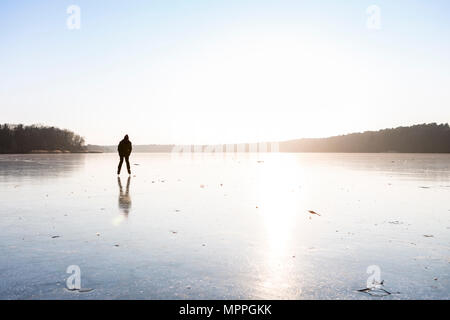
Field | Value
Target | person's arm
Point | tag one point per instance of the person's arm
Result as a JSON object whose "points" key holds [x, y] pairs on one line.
{"points": [[131, 146]]}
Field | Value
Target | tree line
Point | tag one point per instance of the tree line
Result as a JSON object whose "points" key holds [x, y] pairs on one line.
{"points": [[422, 138], [24, 139]]}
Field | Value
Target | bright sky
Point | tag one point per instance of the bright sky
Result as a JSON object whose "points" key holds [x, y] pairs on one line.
{"points": [[223, 71]]}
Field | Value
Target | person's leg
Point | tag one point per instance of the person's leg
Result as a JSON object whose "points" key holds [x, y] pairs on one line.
{"points": [[120, 165], [127, 159]]}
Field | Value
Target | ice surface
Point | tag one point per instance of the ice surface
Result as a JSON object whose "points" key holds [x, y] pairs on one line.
{"points": [[225, 226]]}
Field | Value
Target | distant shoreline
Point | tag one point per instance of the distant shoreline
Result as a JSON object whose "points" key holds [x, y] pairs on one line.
{"points": [[51, 152], [421, 138], [281, 152]]}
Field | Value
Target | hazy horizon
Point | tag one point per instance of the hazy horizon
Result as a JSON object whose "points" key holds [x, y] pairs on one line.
{"points": [[235, 71]]}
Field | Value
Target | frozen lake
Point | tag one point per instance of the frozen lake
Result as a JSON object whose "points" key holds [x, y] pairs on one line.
{"points": [[225, 226]]}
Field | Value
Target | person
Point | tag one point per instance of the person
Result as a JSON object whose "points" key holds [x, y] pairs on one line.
{"points": [[124, 148]]}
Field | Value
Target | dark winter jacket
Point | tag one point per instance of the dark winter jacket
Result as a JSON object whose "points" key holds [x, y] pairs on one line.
{"points": [[124, 148]]}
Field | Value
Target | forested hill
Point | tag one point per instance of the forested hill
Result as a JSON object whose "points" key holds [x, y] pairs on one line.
{"points": [[34, 138], [423, 138], [426, 138]]}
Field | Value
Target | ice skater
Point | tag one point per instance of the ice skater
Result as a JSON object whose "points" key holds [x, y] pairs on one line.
{"points": [[124, 148]]}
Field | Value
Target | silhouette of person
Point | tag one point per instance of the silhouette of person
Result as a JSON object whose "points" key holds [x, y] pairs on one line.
{"points": [[124, 198], [124, 148]]}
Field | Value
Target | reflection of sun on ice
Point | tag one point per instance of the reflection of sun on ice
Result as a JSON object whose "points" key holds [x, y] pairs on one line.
{"points": [[278, 200], [279, 203]]}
